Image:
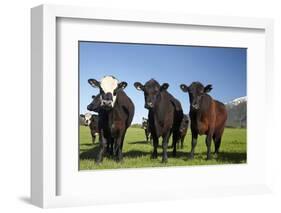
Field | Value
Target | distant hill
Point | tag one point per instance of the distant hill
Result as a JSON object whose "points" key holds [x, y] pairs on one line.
{"points": [[237, 113]]}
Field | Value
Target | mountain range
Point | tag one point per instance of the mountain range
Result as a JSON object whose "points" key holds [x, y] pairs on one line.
{"points": [[237, 113]]}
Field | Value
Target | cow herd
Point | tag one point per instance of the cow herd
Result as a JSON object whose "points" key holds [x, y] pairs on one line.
{"points": [[165, 116]]}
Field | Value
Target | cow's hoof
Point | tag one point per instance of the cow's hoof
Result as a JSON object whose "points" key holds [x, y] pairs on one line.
{"points": [[98, 163], [164, 160], [191, 156], [174, 154], [154, 155], [119, 160], [215, 155], [208, 157]]}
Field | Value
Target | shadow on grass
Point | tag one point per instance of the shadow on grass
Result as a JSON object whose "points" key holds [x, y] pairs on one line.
{"points": [[232, 157], [139, 153], [89, 154], [140, 142], [136, 153], [88, 144]]}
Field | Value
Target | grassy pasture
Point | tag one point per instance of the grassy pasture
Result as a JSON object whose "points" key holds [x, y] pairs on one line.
{"points": [[137, 152]]}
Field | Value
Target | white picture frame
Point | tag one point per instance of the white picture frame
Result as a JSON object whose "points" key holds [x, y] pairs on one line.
{"points": [[45, 178]]}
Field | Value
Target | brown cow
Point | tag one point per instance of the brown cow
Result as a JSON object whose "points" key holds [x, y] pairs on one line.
{"points": [[208, 116]]}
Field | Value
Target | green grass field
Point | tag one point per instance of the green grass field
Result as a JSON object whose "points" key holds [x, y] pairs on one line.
{"points": [[137, 152]]}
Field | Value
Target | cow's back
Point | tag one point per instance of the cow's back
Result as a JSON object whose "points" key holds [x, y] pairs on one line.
{"points": [[178, 112], [175, 102], [127, 105], [221, 114]]}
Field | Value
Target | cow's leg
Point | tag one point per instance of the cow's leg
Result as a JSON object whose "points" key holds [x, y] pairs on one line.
{"points": [[193, 144], [99, 139], [175, 142], [150, 139], [146, 134], [103, 146], [155, 145], [119, 143], [182, 140], [217, 141], [123, 137], [117, 149], [111, 146], [93, 136], [165, 146], [208, 144]]}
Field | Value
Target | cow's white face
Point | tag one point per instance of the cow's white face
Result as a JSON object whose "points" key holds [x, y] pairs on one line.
{"points": [[87, 118], [109, 87], [109, 84]]}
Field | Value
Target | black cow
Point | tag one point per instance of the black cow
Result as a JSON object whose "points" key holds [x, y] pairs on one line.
{"points": [[164, 116], [207, 116], [116, 112], [145, 126], [183, 129], [95, 106]]}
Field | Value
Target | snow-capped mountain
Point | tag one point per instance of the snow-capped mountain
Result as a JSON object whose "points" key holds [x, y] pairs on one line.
{"points": [[237, 101], [237, 112]]}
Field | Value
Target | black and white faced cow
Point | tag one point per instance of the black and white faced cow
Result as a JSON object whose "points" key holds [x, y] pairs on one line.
{"points": [[91, 121], [164, 116], [116, 113]]}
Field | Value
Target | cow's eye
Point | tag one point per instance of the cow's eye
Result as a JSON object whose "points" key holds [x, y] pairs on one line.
{"points": [[115, 92], [101, 91]]}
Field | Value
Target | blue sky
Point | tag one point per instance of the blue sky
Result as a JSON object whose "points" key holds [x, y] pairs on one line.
{"points": [[224, 68]]}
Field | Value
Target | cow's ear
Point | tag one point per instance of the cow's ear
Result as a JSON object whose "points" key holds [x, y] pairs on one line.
{"points": [[208, 88], [184, 88], [139, 86], [122, 85], [94, 83], [164, 86], [81, 115]]}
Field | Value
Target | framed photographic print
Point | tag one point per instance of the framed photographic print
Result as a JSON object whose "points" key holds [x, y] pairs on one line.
{"points": [[149, 106]]}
